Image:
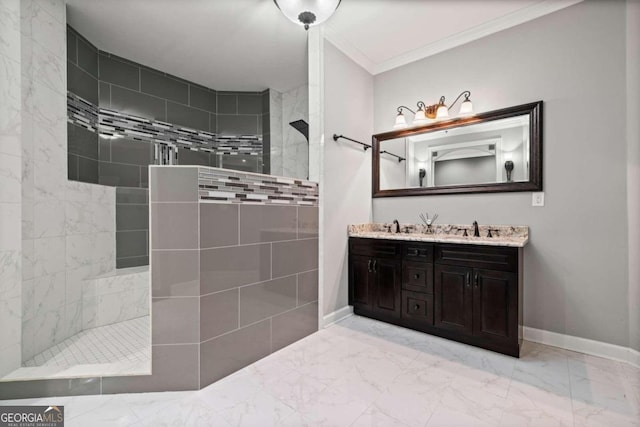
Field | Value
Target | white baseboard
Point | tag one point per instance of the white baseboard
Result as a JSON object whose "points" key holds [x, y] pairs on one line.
{"points": [[337, 316], [583, 345]]}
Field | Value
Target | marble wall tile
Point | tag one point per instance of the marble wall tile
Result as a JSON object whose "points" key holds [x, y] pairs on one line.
{"points": [[39, 23], [10, 215], [42, 331], [75, 283], [10, 119], [10, 144], [49, 292], [10, 315], [73, 318], [40, 64], [295, 154], [10, 357], [28, 298], [48, 218], [11, 177], [10, 270], [80, 250], [10, 29], [28, 259]]}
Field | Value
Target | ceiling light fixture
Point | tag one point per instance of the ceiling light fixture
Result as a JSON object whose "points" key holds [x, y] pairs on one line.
{"points": [[307, 12], [436, 111]]}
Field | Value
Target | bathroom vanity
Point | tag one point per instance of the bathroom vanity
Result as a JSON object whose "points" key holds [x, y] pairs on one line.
{"points": [[468, 289]]}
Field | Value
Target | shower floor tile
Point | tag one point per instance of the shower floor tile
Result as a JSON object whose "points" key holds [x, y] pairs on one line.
{"points": [[123, 348]]}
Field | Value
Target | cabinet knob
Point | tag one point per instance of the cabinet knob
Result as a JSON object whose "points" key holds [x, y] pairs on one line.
{"points": [[416, 276], [475, 280], [413, 252], [416, 307]]}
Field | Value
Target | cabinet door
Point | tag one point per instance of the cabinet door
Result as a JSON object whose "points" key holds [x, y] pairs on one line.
{"points": [[495, 305], [453, 298], [388, 277], [360, 282]]}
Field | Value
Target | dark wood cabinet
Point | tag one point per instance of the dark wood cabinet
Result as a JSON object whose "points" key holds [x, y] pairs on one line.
{"points": [[375, 281], [453, 298], [468, 293]]}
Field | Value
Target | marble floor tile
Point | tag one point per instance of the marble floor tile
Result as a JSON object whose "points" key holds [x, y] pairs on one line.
{"points": [[360, 372]]}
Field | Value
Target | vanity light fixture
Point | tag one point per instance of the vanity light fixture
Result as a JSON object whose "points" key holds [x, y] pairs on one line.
{"points": [[307, 12], [436, 111], [421, 174]]}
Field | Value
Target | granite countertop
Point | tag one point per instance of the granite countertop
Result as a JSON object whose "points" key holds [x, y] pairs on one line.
{"points": [[502, 235]]}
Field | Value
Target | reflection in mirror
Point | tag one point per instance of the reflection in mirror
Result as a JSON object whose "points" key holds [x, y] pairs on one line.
{"points": [[494, 151], [482, 153]]}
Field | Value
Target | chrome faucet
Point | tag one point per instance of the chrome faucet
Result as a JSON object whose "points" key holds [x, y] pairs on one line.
{"points": [[395, 221], [476, 230]]}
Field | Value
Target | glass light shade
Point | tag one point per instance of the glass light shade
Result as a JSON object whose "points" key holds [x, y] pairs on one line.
{"points": [[508, 156], [420, 117], [466, 107], [443, 112], [321, 10], [401, 121]]}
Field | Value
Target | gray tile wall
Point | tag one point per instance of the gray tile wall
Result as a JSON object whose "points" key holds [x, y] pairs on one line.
{"points": [[132, 227], [117, 83], [258, 268], [205, 329]]}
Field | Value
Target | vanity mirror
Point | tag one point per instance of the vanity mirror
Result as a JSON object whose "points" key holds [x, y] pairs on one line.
{"points": [[489, 152]]}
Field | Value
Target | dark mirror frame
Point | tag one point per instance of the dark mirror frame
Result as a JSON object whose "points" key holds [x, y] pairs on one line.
{"points": [[534, 110]]}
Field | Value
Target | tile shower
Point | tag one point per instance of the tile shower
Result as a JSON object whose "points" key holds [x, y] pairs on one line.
{"points": [[85, 147]]}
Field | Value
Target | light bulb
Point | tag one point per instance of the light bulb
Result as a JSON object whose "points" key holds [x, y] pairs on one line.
{"points": [[466, 107], [442, 112], [401, 121]]}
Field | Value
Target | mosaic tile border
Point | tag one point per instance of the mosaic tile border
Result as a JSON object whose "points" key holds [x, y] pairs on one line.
{"points": [[114, 124], [226, 186]]}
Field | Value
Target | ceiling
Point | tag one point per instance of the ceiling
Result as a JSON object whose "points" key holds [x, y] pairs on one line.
{"points": [[250, 45]]}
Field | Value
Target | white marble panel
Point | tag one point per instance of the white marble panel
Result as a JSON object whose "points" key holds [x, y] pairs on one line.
{"points": [[10, 29], [10, 358], [45, 329], [49, 255], [50, 176], [10, 315], [49, 112], [10, 274], [295, 155], [73, 318], [41, 65], [48, 218], [11, 178], [78, 191], [10, 82], [80, 250], [79, 218], [104, 252], [102, 194], [40, 24], [28, 258], [103, 217], [49, 292], [10, 218], [10, 144], [28, 299], [76, 283]]}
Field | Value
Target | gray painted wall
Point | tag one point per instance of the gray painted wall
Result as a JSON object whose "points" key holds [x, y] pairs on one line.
{"points": [[633, 168], [576, 261], [346, 177]]}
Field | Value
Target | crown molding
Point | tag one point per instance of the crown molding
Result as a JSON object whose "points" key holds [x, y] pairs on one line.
{"points": [[507, 21], [348, 49]]}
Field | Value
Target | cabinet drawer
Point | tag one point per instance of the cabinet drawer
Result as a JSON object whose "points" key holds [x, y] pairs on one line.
{"points": [[374, 248], [417, 276], [417, 306], [420, 252], [489, 257]]}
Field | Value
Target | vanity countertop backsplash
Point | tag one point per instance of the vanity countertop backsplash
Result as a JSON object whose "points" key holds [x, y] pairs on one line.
{"points": [[501, 235]]}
